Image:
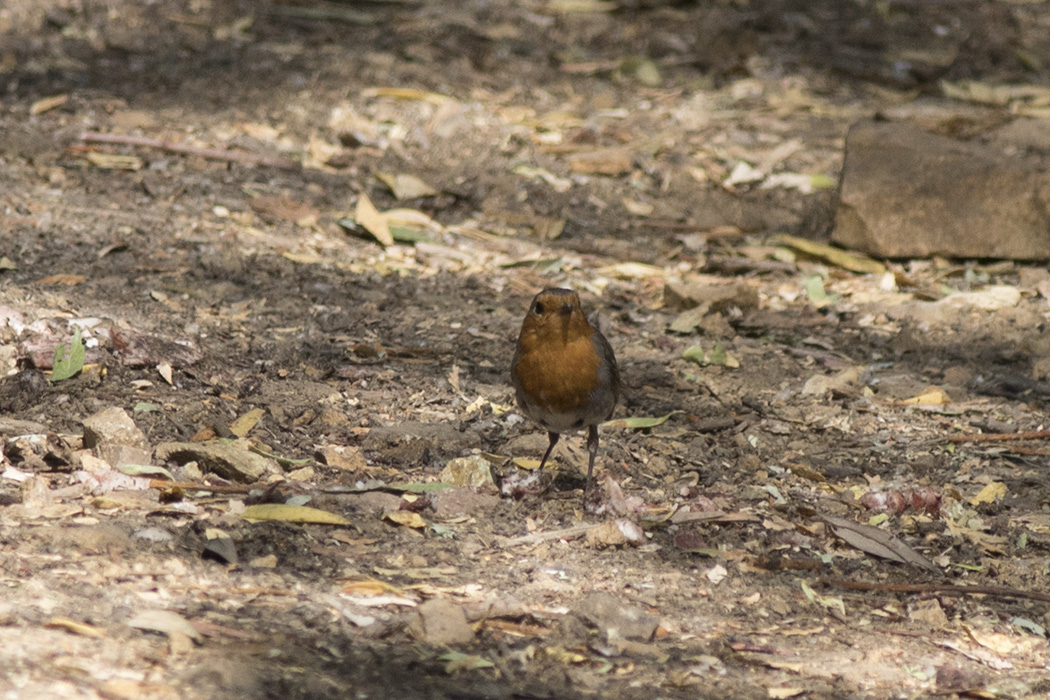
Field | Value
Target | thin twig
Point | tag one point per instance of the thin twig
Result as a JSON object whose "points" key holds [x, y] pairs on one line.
{"points": [[941, 588], [241, 157], [537, 537], [194, 486], [725, 263], [993, 437]]}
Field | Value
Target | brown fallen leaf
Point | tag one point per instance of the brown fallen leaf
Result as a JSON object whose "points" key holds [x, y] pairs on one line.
{"points": [[375, 223], [292, 514], [405, 186], [846, 259], [81, 628], [165, 622], [406, 518], [45, 104], [604, 161], [114, 161], [67, 280], [244, 424], [878, 543]]}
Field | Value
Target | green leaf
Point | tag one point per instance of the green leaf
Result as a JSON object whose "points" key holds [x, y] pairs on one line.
{"points": [[815, 290], [458, 661], [695, 354], [285, 462], [443, 531], [145, 407], [404, 234], [824, 182], [718, 355], [68, 360]]}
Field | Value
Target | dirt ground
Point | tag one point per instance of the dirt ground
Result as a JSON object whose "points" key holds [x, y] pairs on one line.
{"points": [[629, 150]]}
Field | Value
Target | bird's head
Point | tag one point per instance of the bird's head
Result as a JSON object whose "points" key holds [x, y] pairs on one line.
{"points": [[556, 316]]}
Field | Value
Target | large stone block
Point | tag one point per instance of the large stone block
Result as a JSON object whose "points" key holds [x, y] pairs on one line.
{"points": [[909, 193]]}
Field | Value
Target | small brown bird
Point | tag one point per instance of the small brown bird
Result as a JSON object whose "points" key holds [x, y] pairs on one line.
{"points": [[564, 371]]}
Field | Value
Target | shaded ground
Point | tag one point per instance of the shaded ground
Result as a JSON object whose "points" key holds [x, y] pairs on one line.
{"points": [[563, 146]]}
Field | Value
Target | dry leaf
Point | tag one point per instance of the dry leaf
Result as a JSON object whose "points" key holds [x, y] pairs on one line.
{"points": [[407, 94], [68, 280], [581, 6], [604, 161], [48, 103], [847, 260], [81, 628], [931, 396], [113, 161], [716, 574], [992, 94], [877, 542], [457, 661], [406, 518], [558, 184], [637, 208], [412, 219], [164, 370], [999, 296], [833, 603], [406, 186], [632, 270], [999, 643], [991, 493], [743, 174], [375, 223], [370, 587], [639, 422], [292, 514], [243, 425], [166, 622]]}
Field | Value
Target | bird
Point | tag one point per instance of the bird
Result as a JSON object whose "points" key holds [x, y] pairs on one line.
{"points": [[564, 371]]}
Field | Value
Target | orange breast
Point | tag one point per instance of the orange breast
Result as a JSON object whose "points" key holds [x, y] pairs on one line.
{"points": [[558, 376]]}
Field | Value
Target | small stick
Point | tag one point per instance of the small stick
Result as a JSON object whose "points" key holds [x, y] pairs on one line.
{"points": [[194, 486], [537, 537], [943, 588], [725, 263], [992, 437], [210, 153]]}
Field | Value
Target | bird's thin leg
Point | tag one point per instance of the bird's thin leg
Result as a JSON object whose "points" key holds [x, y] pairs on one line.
{"points": [[553, 437], [592, 447]]}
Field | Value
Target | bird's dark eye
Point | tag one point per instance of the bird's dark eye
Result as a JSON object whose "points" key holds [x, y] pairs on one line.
{"points": [[538, 307]]}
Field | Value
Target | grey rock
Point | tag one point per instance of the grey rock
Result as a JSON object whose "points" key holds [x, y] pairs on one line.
{"points": [[909, 193], [616, 619], [113, 426], [153, 534], [119, 455], [228, 460], [440, 622]]}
